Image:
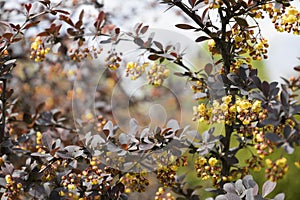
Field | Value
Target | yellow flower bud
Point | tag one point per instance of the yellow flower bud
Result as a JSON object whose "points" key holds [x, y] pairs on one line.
{"points": [[212, 161]]}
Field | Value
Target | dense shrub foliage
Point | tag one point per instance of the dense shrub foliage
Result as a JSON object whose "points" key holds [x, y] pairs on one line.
{"points": [[56, 144]]}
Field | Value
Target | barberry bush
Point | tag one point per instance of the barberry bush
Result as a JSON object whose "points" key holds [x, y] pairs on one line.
{"points": [[60, 134]]}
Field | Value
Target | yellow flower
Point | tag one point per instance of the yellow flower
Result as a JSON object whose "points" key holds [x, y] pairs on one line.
{"points": [[281, 162], [61, 193], [292, 11], [256, 106], [201, 161], [71, 187], [259, 138], [246, 122], [131, 65], [224, 107], [216, 104], [238, 38], [227, 99], [201, 108], [94, 182], [297, 164], [39, 137], [8, 179], [211, 43], [212, 161], [232, 108], [268, 162]]}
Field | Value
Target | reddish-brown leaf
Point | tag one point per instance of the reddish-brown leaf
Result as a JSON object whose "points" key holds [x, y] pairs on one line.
{"points": [[28, 7], [138, 27], [99, 20], [66, 19], [16, 39], [81, 15], [31, 24], [57, 28], [43, 34], [184, 26], [7, 36], [78, 24], [71, 31], [174, 54], [153, 57]]}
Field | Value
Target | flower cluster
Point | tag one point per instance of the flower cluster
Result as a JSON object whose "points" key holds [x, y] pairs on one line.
{"points": [[134, 70], [255, 163], [113, 60], [70, 183], [276, 169], [79, 54], [167, 175], [246, 41], [90, 179], [157, 74], [198, 86], [217, 113], [13, 187], [135, 182], [244, 110], [248, 111], [38, 51], [284, 19], [162, 194], [208, 168], [262, 145]]}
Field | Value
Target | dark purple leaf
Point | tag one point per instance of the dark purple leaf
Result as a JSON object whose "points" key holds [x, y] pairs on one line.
{"points": [[184, 26], [273, 137], [265, 87], [159, 45], [139, 42], [241, 22], [47, 140], [297, 68], [284, 97], [202, 38], [192, 2]]}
